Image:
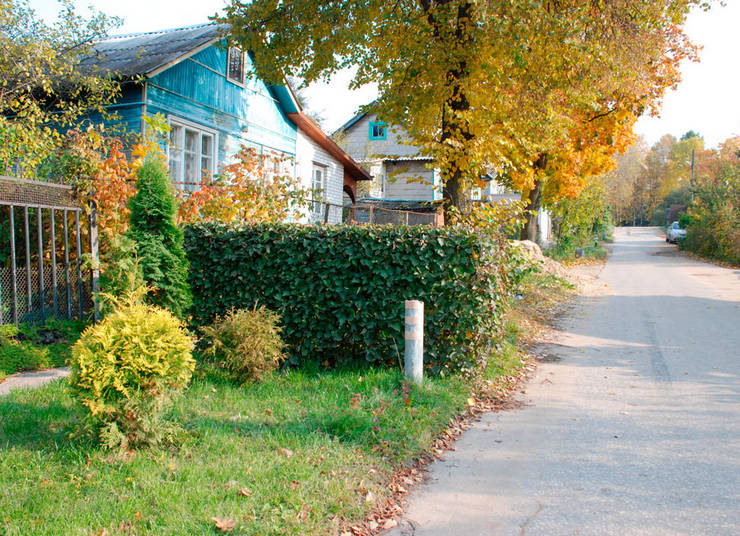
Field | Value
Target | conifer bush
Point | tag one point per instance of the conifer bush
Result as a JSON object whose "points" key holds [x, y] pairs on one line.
{"points": [[159, 241], [245, 343], [126, 370]]}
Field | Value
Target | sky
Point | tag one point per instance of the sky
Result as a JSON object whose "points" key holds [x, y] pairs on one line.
{"points": [[706, 101]]}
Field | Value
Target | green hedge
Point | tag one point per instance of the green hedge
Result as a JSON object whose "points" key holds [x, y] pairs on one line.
{"points": [[340, 290]]}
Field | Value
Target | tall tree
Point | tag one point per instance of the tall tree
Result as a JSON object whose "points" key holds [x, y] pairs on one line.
{"points": [[158, 239], [620, 182], [44, 89], [546, 90]]}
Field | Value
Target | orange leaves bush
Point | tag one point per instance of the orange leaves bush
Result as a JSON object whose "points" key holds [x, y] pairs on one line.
{"points": [[252, 189]]}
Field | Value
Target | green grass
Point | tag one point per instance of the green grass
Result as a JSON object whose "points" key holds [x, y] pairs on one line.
{"points": [[311, 447], [25, 348], [568, 252], [346, 431]]}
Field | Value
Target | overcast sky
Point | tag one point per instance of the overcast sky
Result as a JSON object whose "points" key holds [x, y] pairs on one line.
{"points": [[707, 101]]}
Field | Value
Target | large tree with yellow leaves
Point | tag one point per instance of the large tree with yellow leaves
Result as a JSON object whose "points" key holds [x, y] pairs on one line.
{"points": [[542, 90]]}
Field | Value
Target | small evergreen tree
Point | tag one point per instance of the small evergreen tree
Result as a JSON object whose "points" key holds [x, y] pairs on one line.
{"points": [[159, 241]]}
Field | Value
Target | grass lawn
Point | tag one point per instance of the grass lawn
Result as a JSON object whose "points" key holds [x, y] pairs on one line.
{"points": [[32, 347], [306, 449], [298, 453]]}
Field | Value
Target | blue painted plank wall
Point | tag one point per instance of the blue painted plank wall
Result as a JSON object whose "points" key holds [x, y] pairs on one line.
{"points": [[196, 89], [125, 114]]}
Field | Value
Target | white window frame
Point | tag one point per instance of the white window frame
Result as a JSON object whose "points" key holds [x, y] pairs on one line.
{"points": [[318, 204], [178, 175]]}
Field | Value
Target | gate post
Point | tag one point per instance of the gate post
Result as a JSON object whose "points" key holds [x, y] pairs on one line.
{"points": [[414, 351], [95, 255]]}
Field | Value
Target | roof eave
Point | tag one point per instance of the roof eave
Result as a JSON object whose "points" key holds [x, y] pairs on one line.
{"points": [[312, 130]]}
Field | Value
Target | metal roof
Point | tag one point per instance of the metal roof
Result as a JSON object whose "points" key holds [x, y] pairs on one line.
{"points": [[143, 53]]}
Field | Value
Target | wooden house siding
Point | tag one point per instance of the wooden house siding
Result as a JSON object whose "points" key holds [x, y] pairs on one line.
{"points": [[357, 143], [197, 90], [309, 154], [412, 180], [126, 112]]}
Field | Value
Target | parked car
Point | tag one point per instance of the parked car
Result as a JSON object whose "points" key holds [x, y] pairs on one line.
{"points": [[674, 233]]}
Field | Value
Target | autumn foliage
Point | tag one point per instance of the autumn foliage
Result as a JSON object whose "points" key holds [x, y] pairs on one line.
{"points": [[545, 92], [253, 188]]}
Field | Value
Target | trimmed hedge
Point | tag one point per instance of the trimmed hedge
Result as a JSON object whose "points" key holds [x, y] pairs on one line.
{"points": [[340, 290]]}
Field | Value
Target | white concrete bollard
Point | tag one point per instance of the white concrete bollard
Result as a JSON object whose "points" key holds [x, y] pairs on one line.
{"points": [[414, 352]]}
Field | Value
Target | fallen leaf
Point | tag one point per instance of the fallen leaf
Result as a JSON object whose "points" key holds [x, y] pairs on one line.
{"points": [[285, 452], [245, 491], [224, 525], [294, 484]]}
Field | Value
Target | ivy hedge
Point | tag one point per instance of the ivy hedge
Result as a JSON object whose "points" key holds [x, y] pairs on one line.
{"points": [[340, 290]]}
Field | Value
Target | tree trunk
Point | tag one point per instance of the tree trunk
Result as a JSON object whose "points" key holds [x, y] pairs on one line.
{"points": [[453, 195], [456, 189], [534, 202]]}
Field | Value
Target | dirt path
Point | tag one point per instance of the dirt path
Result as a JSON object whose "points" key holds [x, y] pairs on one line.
{"points": [[29, 380], [631, 425]]}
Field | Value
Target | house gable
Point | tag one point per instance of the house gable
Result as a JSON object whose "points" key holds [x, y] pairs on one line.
{"points": [[196, 89], [184, 74], [357, 140]]}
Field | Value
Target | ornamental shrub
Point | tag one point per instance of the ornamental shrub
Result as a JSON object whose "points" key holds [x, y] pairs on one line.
{"points": [[713, 218], [245, 343], [17, 355], [340, 290], [126, 369], [159, 241]]}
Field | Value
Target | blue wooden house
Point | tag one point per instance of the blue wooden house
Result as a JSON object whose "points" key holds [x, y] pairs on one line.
{"points": [[213, 107]]}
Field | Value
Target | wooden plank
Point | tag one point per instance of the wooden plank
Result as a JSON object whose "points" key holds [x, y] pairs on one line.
{"points": [[42, 281], [79, 262], [66, 265], [94, 253], [29, 286], [54, 265], [13, 268]]}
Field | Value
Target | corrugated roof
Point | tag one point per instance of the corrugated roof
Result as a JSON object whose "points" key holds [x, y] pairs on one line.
{"points": [[141, 53]]}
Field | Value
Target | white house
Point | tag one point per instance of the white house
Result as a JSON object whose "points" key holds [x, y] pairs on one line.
{"points": [[400, 173]]}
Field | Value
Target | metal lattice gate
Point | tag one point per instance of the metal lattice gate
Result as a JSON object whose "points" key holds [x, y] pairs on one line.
{"points": [[48, 253]]}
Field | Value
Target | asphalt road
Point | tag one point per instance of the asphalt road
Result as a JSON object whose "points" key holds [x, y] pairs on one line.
{"points": [[632, 427]]}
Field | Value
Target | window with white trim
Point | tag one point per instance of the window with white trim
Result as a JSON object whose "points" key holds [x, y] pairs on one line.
{"points": [[192, 155], [318, 190], [235, 65]]}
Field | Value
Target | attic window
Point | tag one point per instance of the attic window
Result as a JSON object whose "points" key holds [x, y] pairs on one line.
{"points": [[378, 131], [235, 65]]}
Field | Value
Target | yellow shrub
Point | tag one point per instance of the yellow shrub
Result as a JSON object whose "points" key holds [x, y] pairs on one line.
{"points": [[125, 370], [246, 343]]}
